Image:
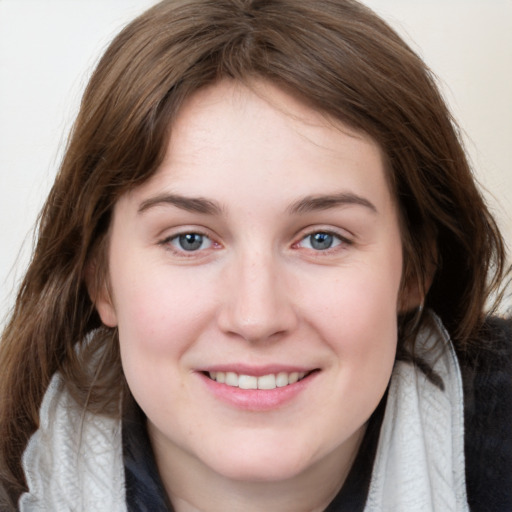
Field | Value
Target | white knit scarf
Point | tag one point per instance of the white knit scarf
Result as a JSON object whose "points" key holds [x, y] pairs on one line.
{"points": [[74, 461], [419, 465]]}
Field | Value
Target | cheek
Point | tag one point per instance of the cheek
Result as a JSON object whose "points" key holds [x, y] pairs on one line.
{"points": [[364, 335], [357, 316], [157, 322], [157, 308], [359, 301], [363, 338]]}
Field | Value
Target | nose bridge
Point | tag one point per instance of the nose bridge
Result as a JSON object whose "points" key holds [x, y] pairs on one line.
{"points": [[258, 306]]}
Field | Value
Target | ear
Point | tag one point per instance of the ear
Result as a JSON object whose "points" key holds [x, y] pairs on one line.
{"points": [[98, 287], [415, 286], [412, 294]]}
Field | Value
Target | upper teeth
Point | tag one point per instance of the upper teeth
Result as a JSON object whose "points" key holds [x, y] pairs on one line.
{"points": [[270, 381]]}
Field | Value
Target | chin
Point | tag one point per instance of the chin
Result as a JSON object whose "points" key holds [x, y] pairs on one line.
{"points": [[262, 463], [261, 471]]}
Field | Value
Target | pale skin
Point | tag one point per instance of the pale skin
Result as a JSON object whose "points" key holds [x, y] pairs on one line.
{"points": [[268, 240]]}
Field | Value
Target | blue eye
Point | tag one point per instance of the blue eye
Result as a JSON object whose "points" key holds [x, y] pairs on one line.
{"points": [[321, 241], [190, 242]]}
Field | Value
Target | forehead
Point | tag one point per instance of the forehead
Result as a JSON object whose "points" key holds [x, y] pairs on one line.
{"points": [[257, 105], [232, 137]]}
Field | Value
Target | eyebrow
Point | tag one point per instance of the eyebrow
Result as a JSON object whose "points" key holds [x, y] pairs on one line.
{"points": [[191, 204], [305, 205], [325, 202]]}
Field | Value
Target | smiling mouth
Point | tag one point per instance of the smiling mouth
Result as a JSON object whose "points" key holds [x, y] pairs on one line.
{"points": [[266, 382]]}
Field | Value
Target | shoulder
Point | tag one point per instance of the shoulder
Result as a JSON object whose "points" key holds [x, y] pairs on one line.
{"points": [[486, 369], [73, 458]]}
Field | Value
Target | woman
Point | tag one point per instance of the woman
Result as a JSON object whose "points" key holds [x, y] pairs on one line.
{"points": [[260, 281]]}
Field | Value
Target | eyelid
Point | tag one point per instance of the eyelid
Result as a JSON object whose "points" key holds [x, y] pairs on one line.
{"points": [[165, 241], [338, 233]]}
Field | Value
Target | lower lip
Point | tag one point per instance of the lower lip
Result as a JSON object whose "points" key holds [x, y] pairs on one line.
{"points": [[257, 399]]}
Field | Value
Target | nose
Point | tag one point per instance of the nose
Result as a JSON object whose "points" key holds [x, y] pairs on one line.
{"points": [[258, 300]]}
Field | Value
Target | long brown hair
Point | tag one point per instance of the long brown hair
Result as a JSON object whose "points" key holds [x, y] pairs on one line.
{"points": [[336, 55]]}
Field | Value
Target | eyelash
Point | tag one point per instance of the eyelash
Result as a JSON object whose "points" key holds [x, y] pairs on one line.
{"points": [[340, 242], [168, 243]]}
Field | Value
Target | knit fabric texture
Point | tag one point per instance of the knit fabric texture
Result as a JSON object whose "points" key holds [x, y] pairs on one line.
{"points": [[73, 462]]}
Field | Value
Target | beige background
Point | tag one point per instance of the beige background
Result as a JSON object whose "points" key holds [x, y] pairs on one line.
{"points": [[48, 48]]}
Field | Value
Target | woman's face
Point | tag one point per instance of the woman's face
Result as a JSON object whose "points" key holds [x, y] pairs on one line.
{"points": [[264, 254]]}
